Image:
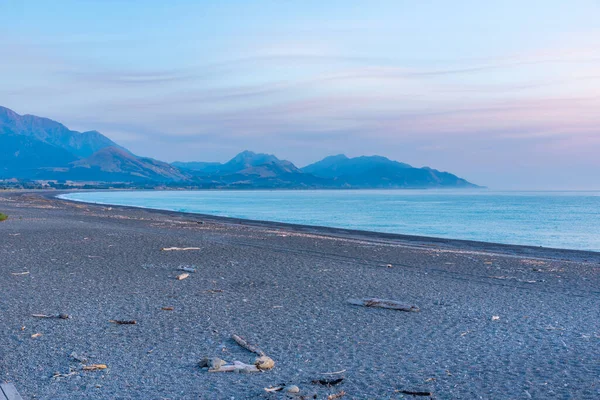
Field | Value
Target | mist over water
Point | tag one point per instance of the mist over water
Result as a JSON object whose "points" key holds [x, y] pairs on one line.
{"points": [[569, 220]]}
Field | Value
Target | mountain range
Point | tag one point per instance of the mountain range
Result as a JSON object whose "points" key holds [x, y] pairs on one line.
{"points": [[36, 148]]}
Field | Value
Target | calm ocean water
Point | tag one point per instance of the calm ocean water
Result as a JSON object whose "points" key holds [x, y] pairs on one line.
{"points": [[569, 220]]}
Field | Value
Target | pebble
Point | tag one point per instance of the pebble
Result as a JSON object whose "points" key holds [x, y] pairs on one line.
{"points": [[291, 389], [264, 363]]}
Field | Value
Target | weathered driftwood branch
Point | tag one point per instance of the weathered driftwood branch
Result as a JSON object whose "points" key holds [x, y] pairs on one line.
{"points": [[218, 365], [94, 367], [122, 322], [250, 347], [237, 366], [415, 393], [262, 362], [380, 303], [59, 316], [328, 382]]}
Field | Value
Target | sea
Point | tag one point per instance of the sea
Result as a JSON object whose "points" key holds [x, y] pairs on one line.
{"points": [[565, 220]]}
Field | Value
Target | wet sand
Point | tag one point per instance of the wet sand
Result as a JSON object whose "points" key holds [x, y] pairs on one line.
{"points": [[495, 321]]}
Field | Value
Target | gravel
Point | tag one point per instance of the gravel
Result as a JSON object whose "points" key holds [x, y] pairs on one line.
{"points": [[286, 289]]}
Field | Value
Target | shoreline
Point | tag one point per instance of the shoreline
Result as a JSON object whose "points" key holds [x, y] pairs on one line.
{"points": [[515, 249], [516, 323]]}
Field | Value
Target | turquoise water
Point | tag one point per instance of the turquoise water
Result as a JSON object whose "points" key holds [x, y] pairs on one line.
{"points": [[568, 220]]}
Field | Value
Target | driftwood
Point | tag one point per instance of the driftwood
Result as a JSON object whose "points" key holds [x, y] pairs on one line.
{"points": [[380, 303], [66, 375], [59, 316], [250, 347], [237, 366], [413, 393], [328, 382], [216, 364], [179, 248], [262, 362], [336, 396], [123, 322], [183, 276], [94, 367]]}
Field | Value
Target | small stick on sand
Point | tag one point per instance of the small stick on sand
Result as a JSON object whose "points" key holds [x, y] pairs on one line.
{"points": [[123, 322], [380, 303], [250, 347], [336, 396], [328, 382], [274, 389], [59, 375], [59, 316], [94, 367], [412, 393], [179, 248]]}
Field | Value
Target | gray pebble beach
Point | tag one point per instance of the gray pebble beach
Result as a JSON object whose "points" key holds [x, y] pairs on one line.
{"points": [[495, 321]]}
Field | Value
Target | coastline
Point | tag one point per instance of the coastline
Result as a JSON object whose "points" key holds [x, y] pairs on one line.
{"points": [[286, 288], [504, 248]]}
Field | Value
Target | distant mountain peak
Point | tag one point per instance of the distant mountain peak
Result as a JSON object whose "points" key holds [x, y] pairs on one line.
{"points": [[246, 159], [33, 147], [53, 133], [246, 153], [381, 172], [40, 148], [336, 157]]}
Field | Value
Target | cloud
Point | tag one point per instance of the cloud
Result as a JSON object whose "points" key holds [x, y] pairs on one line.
{"points": [[287, 99]]}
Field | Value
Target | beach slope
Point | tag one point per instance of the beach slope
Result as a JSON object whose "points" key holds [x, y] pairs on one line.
{"points": [[495, 321]]}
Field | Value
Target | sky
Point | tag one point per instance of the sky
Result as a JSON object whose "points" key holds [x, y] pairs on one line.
{"points": [[503, 93]]}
